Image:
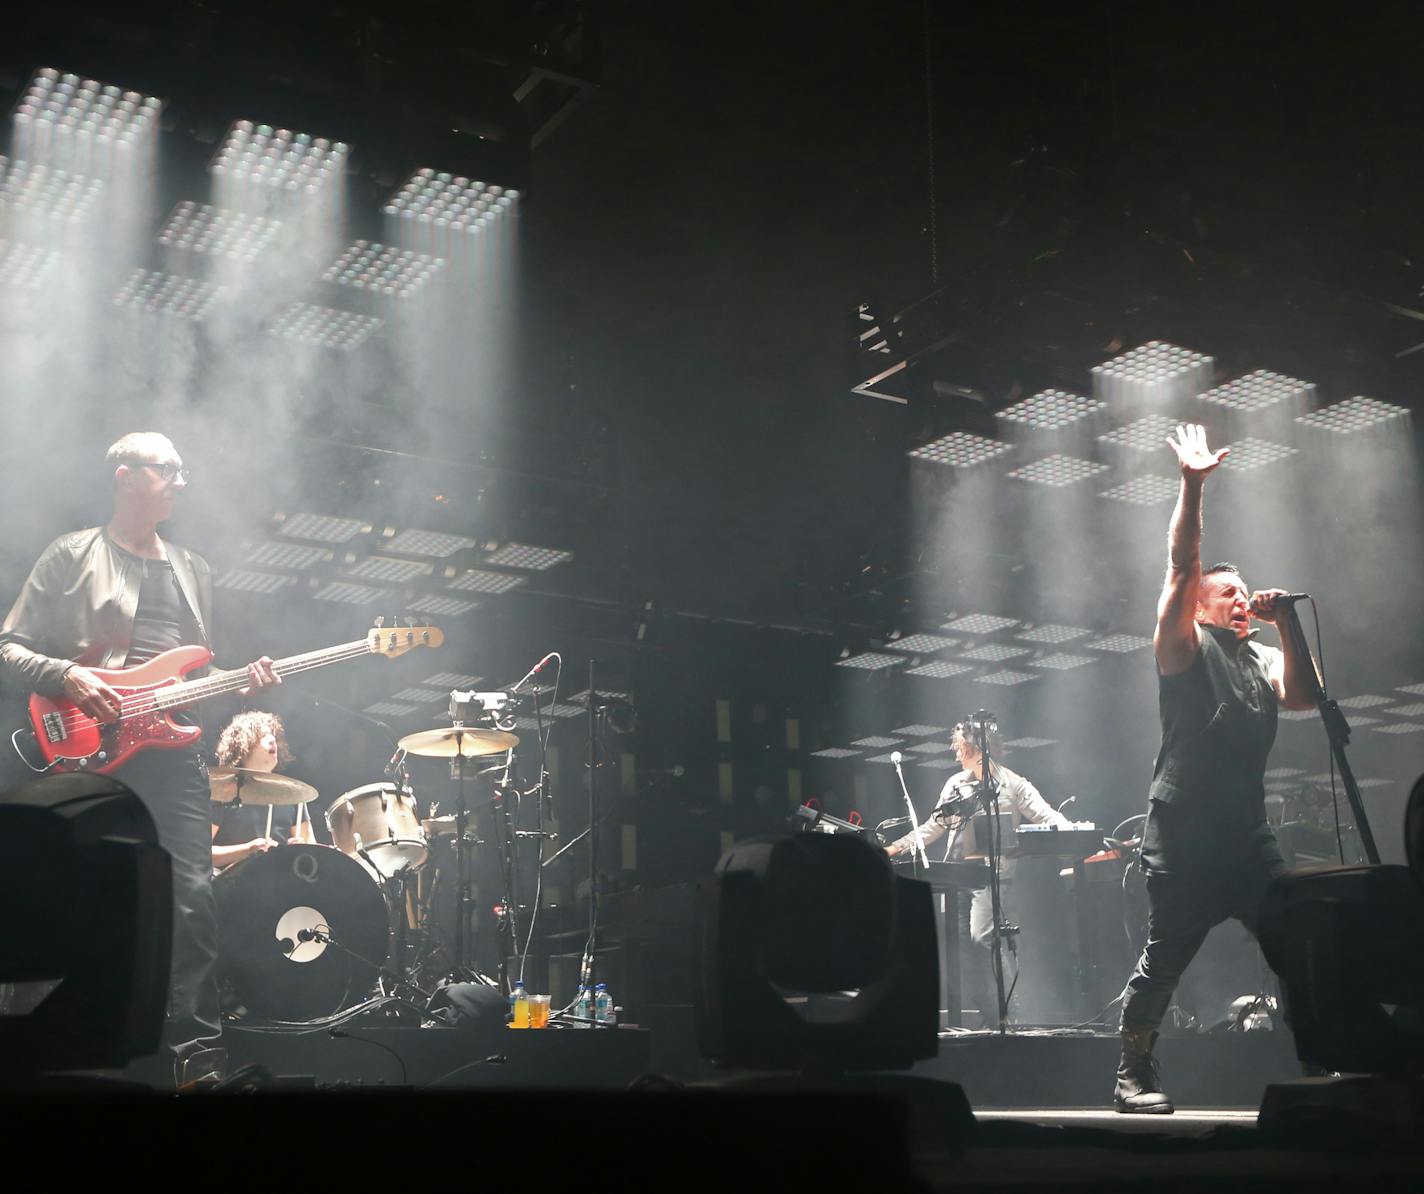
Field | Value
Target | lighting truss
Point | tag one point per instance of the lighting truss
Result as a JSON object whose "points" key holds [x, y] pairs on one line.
{"points": [[294, 556], [1050, 410], [452, 202], [158, 293], [215, 232], [87, 115], [1057, 470], [871, 661], [443, 607], [474, 580], [1030, 743], [918, 731], [532, 559], [979, 624], [1147, 434], [940, 669], [421, 696], [1260, 390], [243, 580], [960, 449], [1155, 370], [321, 528], [279, 159], [995, 652], [1249, 454], [876, 740], [930, 748], [1148, 490], [391, 571], [351, 594], [1354, 414], [1060, 661], [451, 680], [1119, 643], [391, 709], [1364, 701], [922, 644], [835, 752], [414, 542], [25, 267], [52, 195], [325, 327], [383, 270], [1051, 632], [1007, 676]]}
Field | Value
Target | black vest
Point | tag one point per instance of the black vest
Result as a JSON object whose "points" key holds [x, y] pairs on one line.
{"points": [[1218, 726]]}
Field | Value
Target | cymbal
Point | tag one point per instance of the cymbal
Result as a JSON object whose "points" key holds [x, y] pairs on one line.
{"points": [[448, 743], [257, 787]]}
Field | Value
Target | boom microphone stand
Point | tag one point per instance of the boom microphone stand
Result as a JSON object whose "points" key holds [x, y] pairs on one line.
{"points": [[1337, 729], [983, 724]]}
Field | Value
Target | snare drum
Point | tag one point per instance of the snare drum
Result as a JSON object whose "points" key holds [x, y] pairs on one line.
{"points": [[264, 902], [381, 820]]}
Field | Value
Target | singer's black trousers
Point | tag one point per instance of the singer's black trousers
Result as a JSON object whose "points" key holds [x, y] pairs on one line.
{"points": [[174, 788], [1182, 907]]}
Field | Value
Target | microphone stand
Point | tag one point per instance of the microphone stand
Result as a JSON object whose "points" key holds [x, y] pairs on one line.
{"points": [[1337, 729], [919, 846], [989, 798]]}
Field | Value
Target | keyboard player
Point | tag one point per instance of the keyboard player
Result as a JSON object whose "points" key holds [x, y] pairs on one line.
{"points": [[951, 819]]}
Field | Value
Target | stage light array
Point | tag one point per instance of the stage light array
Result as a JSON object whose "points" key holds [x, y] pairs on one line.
{"points": [[451, 202], [54, 196], [1354, 414], [979, 624], [25, 267], [1249, 454], [1051, 632], [1057, 471], [324, 327], [201, 228], [532, 559], [167, 294], [62, 117], [1153, 372], [1143, 491], [321, 528], [279, 159], [1050, 410], [383, 270], [922, 644], [871, 661], [1260, 390], [1147, 434], [960, 449]]}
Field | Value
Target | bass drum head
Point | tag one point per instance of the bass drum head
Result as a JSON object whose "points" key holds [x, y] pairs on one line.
{"points": [[265, 901]]}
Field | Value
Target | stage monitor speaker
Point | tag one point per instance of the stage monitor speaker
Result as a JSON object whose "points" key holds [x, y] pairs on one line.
{"points": [[88, 896], [810, 953], [1348, 945]]}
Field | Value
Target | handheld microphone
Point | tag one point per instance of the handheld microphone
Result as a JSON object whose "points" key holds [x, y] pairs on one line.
{"points": [[1292, 598]]}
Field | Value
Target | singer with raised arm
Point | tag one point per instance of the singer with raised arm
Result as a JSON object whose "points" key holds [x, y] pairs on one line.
{"points": [[116, 596], [1207, 851], [952, 817]]}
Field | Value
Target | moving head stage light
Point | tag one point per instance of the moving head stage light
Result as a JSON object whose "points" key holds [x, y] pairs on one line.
{"points": [[81, 854]]}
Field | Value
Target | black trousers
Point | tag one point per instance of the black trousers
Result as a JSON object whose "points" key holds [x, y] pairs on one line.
{"points": [[174, 788], [1187, 903]]}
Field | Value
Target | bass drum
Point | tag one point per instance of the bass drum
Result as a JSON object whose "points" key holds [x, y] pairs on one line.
{"points": [[264, 902]]}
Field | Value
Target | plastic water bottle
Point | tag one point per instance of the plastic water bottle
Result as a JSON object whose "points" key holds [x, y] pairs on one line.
{"points": [[603, 1010], [583, 1007], [519, 1007]]}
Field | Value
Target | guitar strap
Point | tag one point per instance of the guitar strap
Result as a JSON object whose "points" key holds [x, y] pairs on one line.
{"points": [[187, 578]]}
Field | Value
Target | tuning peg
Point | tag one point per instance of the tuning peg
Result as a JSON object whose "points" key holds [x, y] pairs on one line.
{"points": [[380, 622]]}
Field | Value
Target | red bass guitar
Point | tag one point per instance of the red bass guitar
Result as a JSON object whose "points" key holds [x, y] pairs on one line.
{"points": [[61, 737]]}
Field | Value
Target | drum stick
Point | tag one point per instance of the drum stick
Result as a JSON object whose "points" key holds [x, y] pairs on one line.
{"points": [[268, 832]]}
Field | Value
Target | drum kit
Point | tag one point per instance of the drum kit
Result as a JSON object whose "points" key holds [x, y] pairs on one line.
{"points": [[306, 931]]}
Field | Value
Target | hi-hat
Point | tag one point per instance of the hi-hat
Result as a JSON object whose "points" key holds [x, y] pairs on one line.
{"points": [[257, 787], [454, 741]]}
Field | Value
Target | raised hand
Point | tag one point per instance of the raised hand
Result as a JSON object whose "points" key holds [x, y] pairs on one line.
{"points": [[1196, 459]]}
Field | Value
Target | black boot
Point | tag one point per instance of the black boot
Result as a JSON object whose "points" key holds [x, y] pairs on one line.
{"points": [[1139, 1089]]}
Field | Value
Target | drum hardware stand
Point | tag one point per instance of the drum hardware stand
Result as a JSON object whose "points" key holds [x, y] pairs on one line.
{"points": [[384, 976], [983, 725]]}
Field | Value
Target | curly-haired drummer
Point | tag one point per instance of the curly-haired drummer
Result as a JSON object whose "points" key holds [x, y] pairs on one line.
{"points": [[255, 741]]}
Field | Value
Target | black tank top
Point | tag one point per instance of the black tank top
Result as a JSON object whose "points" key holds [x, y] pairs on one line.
{"points": [[160, 619]]}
